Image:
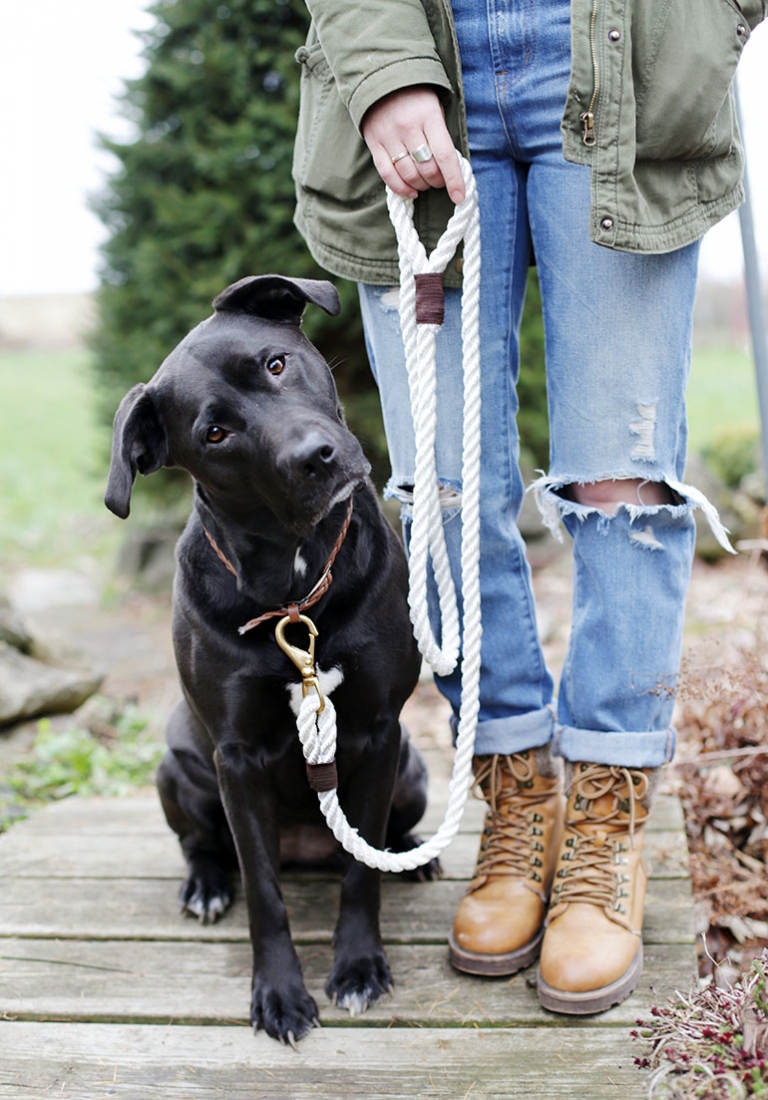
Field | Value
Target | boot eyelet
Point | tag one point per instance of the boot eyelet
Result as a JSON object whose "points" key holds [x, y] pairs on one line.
{"points": [[570, 842], [536, 863], [538, 818]]}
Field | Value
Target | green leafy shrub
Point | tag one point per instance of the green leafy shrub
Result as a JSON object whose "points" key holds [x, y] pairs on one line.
{"points": [[733, 454]]}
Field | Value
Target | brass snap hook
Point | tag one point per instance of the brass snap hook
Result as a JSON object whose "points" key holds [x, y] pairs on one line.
{"points": [[304, 659]]}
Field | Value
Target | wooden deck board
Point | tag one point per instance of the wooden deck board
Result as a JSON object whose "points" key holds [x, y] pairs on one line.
{"points": [[157, 855], [96, 962], [207, 983], [134, 1062]]}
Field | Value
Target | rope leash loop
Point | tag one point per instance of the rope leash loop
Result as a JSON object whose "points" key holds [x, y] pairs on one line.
{"points": [[317, 727]]}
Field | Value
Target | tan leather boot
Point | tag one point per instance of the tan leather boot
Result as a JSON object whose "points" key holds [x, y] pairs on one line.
{"points": [[592, 953], [499, 923]]}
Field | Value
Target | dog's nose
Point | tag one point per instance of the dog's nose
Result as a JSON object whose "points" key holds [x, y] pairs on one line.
{"points": [[314, 457]]}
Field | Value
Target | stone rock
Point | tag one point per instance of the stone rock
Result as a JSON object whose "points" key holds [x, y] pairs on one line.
{"points": [[13, 629], [29, 688], [148, 556]]}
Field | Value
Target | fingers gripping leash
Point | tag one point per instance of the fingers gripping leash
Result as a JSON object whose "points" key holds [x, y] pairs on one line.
{"points": [[420, 319]]}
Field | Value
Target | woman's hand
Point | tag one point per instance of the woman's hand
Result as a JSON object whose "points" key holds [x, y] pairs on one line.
{"points": [[400, 123]]}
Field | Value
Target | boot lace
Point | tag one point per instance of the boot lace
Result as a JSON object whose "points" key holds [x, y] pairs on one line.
{"points": [[510, 844], [599, 837]]}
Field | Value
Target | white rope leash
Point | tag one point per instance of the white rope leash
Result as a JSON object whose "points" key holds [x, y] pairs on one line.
{"points": [[317, 729]]}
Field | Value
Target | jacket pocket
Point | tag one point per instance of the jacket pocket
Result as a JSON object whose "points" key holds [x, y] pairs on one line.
{"points": [[683, 74], [330, 157]]}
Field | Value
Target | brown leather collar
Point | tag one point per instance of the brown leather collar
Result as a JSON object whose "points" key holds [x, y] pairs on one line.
{"points": [[292, 610]]}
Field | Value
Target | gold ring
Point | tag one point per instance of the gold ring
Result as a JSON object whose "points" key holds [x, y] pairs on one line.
{"points": [[422, 154], [400, 156]]}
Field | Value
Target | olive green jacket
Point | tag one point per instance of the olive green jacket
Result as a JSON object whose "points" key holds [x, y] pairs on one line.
{"points": [[650, 108]]}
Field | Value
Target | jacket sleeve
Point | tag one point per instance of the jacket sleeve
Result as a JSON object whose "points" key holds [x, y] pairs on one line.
{"points": [[375, 47]]}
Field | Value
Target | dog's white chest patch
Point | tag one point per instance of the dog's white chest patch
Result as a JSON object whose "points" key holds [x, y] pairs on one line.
{"points": [[299, 565], [329, 681]]}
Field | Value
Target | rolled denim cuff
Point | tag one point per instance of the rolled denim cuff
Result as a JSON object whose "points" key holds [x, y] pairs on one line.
{"points": [[649, 749], [513, 734]]}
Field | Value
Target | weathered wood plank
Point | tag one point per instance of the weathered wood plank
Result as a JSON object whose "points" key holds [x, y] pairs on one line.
{"points": [[147, 909], [137, 813], [48, 855], [141, 814], [145, 982], [94, 1061]]}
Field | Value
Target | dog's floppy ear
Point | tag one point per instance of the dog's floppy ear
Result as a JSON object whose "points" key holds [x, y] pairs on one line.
{"points": [[139, 445], [277, 298]]}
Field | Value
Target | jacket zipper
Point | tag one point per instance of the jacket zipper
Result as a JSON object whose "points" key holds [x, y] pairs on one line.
{"points": [[587, 119]]}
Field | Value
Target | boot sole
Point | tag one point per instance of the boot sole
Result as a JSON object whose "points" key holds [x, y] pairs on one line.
{"points": [[490, 966], [592, 1000]]}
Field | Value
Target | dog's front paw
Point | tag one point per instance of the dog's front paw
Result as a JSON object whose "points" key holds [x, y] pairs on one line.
{"points": [[356, 984], [206, 894], [285, 1014]]}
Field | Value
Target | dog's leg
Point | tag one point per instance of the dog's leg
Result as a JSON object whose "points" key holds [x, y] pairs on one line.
{"points": [[207, 891], [360, 971], [280, 1004], [189, 793]]}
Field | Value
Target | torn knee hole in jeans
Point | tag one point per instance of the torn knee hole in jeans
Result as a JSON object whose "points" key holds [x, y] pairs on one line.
{"points": [[449, 496], [555, 499]]}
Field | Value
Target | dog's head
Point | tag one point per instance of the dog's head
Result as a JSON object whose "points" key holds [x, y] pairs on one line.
{"points": [[248, 407]]}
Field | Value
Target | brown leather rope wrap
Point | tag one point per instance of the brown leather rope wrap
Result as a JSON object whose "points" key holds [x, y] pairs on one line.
{"points": [[430, 300], [322, 777]]}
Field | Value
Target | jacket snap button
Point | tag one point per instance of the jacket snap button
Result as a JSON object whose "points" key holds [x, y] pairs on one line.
{"points": [[606, 224], [741, 30], [614, 35]]}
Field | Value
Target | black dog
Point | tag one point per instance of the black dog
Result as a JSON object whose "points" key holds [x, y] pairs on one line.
{"points": [[249, 408]]}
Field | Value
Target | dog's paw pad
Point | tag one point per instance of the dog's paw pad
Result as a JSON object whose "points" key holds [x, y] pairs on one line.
{"points": [[355, 1003], [286, 1015], [205, 899], [358, 984]]}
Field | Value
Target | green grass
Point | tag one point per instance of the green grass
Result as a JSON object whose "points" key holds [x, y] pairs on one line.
{"points": [[722, 395], [52, 459]]}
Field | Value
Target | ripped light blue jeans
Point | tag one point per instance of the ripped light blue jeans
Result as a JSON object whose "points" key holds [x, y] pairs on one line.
{"points": [[618, 336]]}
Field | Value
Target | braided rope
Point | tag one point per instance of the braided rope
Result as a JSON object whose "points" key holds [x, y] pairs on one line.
{"points": [[317, 730]]}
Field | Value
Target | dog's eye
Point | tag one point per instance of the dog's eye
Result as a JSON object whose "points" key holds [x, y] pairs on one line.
{"points": [[276, 365], [215, 434]]}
